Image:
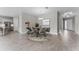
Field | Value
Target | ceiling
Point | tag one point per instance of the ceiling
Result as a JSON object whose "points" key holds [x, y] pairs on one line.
{"points": [[36, 11]]}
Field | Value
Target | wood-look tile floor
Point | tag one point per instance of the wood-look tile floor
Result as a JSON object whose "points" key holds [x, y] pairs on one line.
{"points": [[68, 41]]}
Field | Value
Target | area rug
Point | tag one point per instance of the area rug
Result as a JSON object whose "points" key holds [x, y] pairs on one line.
{"points": [[38, 39]]}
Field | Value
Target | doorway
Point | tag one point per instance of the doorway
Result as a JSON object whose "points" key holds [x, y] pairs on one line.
{"points": [[65, 22], [69, 24]]}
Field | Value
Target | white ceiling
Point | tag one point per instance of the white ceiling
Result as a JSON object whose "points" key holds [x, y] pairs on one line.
{"points": [[36, 11]]}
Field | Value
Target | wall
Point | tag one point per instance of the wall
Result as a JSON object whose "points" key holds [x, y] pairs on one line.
{"points": [[70, 24], [53, 20], [6, 19], [16, 23], [77, 23], [24, 18], [20, 24], [60, 22]]}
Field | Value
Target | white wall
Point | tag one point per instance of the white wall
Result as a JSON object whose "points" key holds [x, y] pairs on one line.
{"points": [[77, 23], [24, 18], [60, 22], [53, 20], [20, 24], [16, 23], [70, 24]]}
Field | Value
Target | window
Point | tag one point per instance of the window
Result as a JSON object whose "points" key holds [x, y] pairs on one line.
{"points": [[45, 23]]}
